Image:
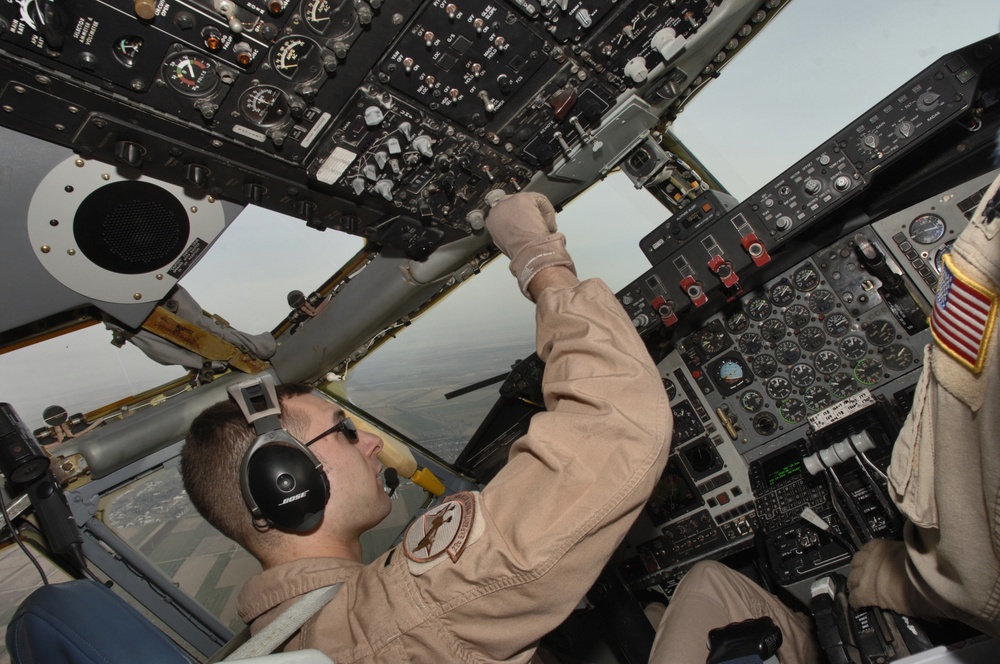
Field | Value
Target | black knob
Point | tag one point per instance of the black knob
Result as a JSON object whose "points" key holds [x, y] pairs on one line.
{"points": [[129, 153], [254, 192], [196, 175]]}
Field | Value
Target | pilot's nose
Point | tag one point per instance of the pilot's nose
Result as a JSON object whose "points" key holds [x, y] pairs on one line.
{"points": [[370, 443]]}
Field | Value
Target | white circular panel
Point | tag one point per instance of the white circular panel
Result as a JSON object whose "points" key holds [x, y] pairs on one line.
{"points": [[137, 260]]}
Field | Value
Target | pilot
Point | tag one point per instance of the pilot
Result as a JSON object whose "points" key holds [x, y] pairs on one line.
{"points": [[484, 575], [945, 468]]}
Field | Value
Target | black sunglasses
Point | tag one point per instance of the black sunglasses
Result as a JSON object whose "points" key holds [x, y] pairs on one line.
{"points": [[345, 426]]}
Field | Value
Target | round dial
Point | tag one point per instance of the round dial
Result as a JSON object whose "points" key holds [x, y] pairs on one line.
{"points": [[939, 255], [811, 339], [868, 371], [787, 352], [758, 308], [781, 294], [880, 332], [764, 365], [737, 323], [751, 343], [842, 385], [711, 341], [897, 357], [792, 410], [765, 423], [335, 16], [806, 278], [190, 74], [671, 389], [816, 397], [730, 372], [751, 401], [264, 105], [853, 348], [802, 375], [773, 330], [837, 324], [822, 301], [297, 59], [826, 362], [797, 316], [127, 48], [927, 229], [779, 388]]}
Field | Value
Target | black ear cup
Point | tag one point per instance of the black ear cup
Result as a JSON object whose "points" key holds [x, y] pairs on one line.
{"points": [[283, 483]]}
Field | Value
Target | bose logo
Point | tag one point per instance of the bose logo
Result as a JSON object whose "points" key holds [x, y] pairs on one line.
{"points": [[293, 498]]}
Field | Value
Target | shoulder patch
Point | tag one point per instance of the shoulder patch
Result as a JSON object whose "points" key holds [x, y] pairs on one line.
{"points": [[444, 532], [964, 316]]}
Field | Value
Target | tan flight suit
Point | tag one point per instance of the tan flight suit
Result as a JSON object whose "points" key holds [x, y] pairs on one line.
{"points": [[486, 588], [945, 472], [712, 595]]}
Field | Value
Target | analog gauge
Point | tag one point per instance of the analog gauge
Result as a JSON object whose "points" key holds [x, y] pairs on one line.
{"points": [[853, 348], [297, 59], [781, 294], [842, 385], [758, 308], [737, 323], [806, 278], [802, 375], [811, 339], [764, 365], [765, 424], [792, 410], [837, 324], [779, 388], [880, 332], [190, 74], [671, 389], [939, 255], [334, 16], [730, 373], [751, 343], [711, 340], [797, 316], [127, 48], [751, 401], [773, 330], [897, 357], [868, 371], [927, 229], [822, 301], [816, 397], [826, 362], [264, 105], [787, 352]]}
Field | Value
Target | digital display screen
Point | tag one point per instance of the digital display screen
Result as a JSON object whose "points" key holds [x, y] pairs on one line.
{"points": [[673, 495], [781, 467]]}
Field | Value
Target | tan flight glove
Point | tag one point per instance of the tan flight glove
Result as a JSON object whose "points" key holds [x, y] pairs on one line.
{"points": [[523, 226], [879, 578]]}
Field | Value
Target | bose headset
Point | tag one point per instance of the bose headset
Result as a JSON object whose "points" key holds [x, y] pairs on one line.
{"points": [[282, 481]]}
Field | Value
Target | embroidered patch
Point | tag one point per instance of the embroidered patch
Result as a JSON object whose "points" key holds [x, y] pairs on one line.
{"points": [[447, 529], [963, 318]]}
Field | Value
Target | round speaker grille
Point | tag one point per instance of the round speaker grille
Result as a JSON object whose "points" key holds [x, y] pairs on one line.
{"points": [[131, 227]]}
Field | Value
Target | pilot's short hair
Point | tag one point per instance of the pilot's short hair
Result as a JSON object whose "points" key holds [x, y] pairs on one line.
{"points": [[210, 466]]}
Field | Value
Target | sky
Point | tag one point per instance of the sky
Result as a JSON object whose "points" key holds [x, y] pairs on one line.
{"points": [[817, 66]]}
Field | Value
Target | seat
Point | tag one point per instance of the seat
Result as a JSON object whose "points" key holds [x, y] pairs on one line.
{"points": [[83, 622]]}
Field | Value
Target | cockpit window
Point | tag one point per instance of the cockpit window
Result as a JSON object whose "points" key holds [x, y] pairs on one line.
{"points": [[486, 326]]}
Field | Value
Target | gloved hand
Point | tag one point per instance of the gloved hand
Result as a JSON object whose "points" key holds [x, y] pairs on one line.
{"points": [[523, 226], [879, 578]]}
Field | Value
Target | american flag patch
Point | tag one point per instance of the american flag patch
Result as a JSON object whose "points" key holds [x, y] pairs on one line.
{"points": [[964, 313]]}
